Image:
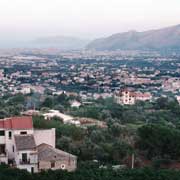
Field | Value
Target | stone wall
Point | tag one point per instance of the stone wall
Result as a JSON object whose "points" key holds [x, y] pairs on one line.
{"points": [[67, 164], [47, 136]]}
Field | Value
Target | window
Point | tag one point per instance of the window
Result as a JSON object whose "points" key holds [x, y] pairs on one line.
{"points": [[13, 148], [63, 166], [10, 135], [2, 133], [23, 132], [52, 164]]}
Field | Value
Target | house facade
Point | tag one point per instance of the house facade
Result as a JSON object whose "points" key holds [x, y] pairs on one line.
{"points": [[51, 158], [129, 97], [125, 97], [20, 146]]}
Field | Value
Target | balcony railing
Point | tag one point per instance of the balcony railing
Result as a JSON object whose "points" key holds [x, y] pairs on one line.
{"points": [[24, 161], [28, 161], [3, 153]]}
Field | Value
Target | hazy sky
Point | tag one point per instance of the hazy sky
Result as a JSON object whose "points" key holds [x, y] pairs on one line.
{"points": [[83, 18]]}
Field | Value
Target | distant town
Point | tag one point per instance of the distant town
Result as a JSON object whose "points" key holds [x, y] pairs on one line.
{"points": [[90, 74]]}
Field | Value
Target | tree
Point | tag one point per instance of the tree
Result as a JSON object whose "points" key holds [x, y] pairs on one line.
{"points": [[48, 102], [121, 150], [159, 141]]}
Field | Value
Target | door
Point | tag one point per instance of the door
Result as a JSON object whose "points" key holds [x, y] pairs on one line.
{"points": [[24, 157], [2, 149], [32, 170]]}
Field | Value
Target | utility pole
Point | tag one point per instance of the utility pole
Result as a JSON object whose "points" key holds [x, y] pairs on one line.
{"points": [[132, 163]]}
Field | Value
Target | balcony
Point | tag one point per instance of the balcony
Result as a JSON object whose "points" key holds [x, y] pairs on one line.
{"points": [[3, 152], [24, 161], [28, 161], [3, 157]]}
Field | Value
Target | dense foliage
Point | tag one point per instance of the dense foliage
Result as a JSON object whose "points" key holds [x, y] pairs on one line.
{"points": [[164, 110], [159, 141], [91, 172], [106, 145], [148, 129]]}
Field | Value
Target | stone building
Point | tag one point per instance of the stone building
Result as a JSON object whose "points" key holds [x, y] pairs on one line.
{"points": [[52, 158], [24, 147]]}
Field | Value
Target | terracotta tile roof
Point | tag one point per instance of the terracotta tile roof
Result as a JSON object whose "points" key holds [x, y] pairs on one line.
{"points": [[126, 90], [143, 95], [23, 122], [24, 142]]}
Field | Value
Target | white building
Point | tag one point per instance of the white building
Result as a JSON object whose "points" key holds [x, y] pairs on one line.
{"points": [[129, 97], [65, 118], [19, 143], [76, 104], [125, 97], [25, 90]]}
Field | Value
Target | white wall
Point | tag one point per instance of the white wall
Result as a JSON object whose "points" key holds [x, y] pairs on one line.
{"points": [[2, 140], [17, 132], [10, 142], [45, 136], [33, 158], [28, 167]]}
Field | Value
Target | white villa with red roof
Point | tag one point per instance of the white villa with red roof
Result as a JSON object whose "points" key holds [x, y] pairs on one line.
{"points": [[24, 147], [129, 97], [125, 97]]}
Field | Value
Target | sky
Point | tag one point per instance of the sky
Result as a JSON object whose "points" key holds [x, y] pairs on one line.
{"points": [[28, 19]]}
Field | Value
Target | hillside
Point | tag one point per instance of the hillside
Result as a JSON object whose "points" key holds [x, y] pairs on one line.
{"points": [[161, 39], [62, 42]]}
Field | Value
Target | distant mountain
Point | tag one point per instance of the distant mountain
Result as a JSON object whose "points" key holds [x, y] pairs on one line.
{"points": [[61, 42], [162, 39]]}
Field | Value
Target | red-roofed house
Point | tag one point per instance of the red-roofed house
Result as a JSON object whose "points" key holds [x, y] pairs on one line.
{"points": [[143, 96], [129, 97], [19, 142], [9, 153], [15, 123], [125, 97]]}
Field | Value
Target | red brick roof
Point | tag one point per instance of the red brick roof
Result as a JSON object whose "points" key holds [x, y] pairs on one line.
{"points": [[23, 122]]}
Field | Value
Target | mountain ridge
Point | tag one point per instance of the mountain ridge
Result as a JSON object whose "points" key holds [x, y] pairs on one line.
{"points": [[62, 42], [58, 41], [165, 38]]}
